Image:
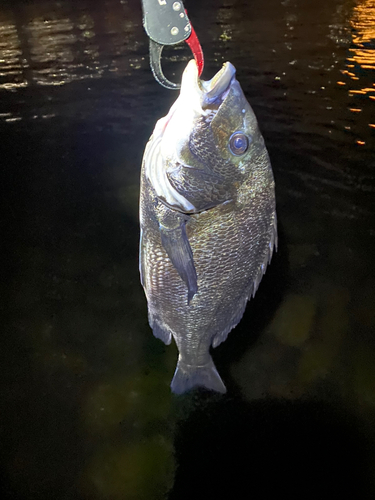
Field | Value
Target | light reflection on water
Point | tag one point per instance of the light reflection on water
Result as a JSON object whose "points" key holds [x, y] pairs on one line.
{"points": [[363, 25], [60, 47], [359, 74], [54, 49]]}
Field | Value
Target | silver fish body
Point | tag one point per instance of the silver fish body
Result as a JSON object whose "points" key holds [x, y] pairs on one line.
{"points": [[208, 221]]}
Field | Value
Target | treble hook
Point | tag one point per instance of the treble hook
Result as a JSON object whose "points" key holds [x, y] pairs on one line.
{"points": [[167, 23]]}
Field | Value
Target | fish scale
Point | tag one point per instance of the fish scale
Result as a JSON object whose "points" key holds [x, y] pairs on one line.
{"points": [[201, 145]]}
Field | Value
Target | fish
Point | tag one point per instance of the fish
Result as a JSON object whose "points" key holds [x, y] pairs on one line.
{"points": [[207, 221]]}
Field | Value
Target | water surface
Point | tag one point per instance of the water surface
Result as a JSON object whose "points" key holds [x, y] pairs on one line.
{"points": [[86, 410]]}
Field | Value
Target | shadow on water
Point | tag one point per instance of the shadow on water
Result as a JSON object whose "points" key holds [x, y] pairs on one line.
{"points": [[304, 449]]}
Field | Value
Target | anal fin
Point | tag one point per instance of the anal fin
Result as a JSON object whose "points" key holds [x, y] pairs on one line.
{"points": [[161, 333]]}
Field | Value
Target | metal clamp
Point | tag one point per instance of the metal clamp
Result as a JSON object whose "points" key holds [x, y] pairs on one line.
{"points": [[166, 23]]}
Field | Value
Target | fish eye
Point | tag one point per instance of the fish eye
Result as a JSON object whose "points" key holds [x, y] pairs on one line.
{"points": [[239, 143]]}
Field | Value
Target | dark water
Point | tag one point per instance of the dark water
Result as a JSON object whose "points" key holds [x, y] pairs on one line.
{"points": [[86, 411]]}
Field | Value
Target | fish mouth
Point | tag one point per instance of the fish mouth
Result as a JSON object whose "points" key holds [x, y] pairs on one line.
{"points": [[212, 92], [219, 84]]}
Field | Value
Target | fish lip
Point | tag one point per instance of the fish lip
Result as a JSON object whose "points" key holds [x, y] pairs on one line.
{"points": [[219, 84], [212, 90]]}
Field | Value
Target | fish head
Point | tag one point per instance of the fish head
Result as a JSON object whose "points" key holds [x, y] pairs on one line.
{"points": [[211, 129]]}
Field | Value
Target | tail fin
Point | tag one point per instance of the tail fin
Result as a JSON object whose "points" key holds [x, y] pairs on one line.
{"points": [[188, 376]]}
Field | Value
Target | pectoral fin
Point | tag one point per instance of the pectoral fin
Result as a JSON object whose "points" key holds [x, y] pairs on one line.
{"points": [[177, 246]]}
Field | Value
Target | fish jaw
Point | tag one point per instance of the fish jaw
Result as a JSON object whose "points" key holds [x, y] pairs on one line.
{"points": [[194, 89]]}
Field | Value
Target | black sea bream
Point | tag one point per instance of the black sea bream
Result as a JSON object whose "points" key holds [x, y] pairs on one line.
{"points": [[208, 220]]}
